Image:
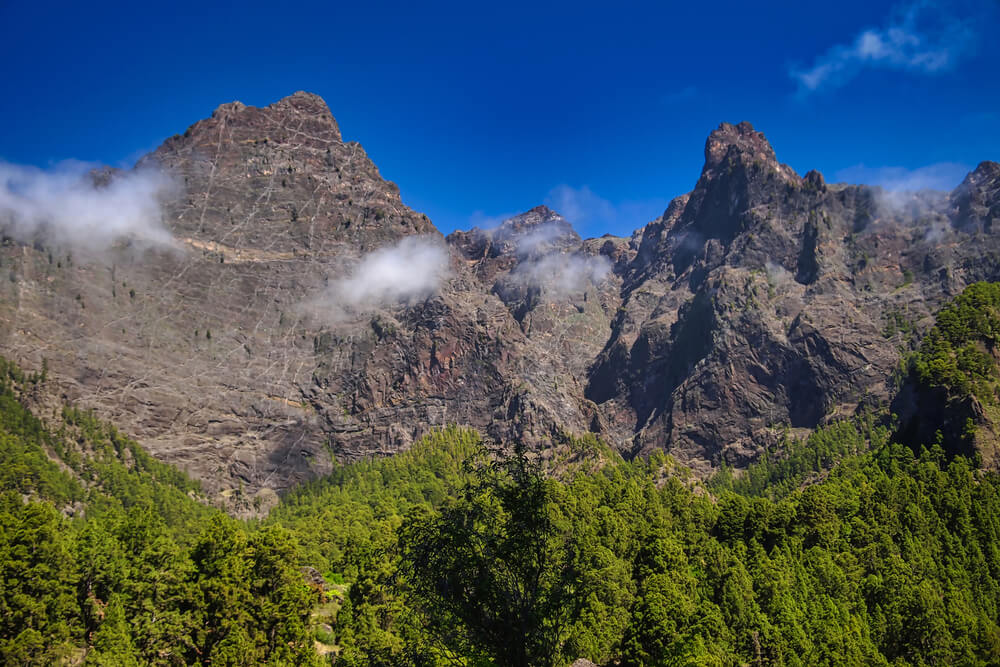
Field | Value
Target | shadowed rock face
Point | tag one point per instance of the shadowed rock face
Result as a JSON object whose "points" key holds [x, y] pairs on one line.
{"points": [[762, 300], [757, 300], [976, 202]]}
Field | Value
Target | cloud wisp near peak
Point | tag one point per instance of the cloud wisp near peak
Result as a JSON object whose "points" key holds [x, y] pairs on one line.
{"points": [[75, 205]]}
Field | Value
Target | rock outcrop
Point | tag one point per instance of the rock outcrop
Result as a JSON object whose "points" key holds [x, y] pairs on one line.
{"points": [[762, 301], [218, 356], [758, 301]]}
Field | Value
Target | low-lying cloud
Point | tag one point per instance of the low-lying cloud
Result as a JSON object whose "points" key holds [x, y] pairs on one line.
{"points": [[917, 195], [544, 263], [539, 240], [67, 205], [590, 213], [922, 37], [560, 274], [777, 275], [943, 176], [405, 273]]}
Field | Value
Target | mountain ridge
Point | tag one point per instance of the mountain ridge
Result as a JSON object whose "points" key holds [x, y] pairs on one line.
{"points": [[756, 302]]}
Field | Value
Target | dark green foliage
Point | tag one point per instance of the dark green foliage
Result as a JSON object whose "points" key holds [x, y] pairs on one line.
{"points": [[142, 573], [956, 353], [490, 574], [358, 509], [24, 464], [952, 393], [796, 462], [890, 558], [37, 574]]}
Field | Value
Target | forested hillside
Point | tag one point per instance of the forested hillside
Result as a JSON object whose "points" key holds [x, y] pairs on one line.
{"points": [[107, 557], [892, 558], [845, 547]]}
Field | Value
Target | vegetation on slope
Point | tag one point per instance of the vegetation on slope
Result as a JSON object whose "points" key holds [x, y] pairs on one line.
{"points": [[845, 548], [953, 389], [892, 558], [106, 556]]}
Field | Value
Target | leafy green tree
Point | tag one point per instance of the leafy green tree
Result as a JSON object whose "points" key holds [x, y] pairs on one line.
{"points": [[490, 573]]}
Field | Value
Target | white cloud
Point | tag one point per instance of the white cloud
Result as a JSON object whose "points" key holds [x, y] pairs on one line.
{"points": [[404, 273], [559, 274], [538, 240], [913, 192], [483, 221], [939, 176], [65, 205], [777, 275], [923, 37]]}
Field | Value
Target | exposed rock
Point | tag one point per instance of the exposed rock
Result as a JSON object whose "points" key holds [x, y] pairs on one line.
{"points": [[209, 356], [976, 202], [759, 299], [313, 578]]}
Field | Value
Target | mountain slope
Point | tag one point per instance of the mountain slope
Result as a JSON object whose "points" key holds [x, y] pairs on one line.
{"points": [[225, 355], [763, 299], [759, 300]]}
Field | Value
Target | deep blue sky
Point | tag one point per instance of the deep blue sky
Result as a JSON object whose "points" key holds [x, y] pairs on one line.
{"points": [[478, 111]]}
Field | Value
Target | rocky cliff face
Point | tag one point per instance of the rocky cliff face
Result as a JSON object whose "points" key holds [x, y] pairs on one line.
{"points": [[764, 300], [224, 355], [761, 299]]}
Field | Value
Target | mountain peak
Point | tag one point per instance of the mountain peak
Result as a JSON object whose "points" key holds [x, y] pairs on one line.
{"points": [[304, 101], [538, 216], [539, 227], [543, 211], [743, 138], [976, 200], [987, 169], [308, 107]]}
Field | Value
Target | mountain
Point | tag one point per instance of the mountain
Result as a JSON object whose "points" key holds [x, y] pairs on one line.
{"points": [[764, 300], [761, 300], [219, 356]]}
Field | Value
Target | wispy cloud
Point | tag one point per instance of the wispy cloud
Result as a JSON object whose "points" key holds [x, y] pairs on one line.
{"points": [[594, 215], [539, 240], [939, 176], [66, 204], [561, 274], [546, 261], [923, 37], [482, 220], [405, 273]]}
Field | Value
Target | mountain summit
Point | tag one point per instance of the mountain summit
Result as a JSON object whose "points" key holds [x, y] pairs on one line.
{"points": [[253, 349]]}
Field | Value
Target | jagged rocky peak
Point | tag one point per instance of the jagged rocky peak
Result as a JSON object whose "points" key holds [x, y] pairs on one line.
{"points": [[815, 180], [976, 201], [730, 144], [742, 187], [311, 191], [742, 137], [310, 113], [538, 230]]}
